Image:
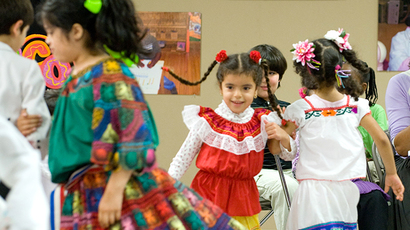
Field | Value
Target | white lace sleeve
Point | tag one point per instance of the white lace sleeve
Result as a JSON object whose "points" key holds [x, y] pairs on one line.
{"points": [[287, 155], [185, 156]]}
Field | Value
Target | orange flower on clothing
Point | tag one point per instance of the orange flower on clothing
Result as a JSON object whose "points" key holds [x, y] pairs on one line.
{"points": [[329, 113]]}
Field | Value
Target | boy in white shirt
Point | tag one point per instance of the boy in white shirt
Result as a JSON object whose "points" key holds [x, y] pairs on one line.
{"points": [[22, 84]]}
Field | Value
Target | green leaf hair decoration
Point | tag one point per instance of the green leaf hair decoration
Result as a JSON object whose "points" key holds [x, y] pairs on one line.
{"points": [[120, 55], [94, 6]]}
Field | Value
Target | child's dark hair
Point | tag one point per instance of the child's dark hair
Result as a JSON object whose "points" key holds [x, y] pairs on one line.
{"points": [[115, 25], [328, 55], [276, 60], [13, 10], [51, 96], [237, 64], [371, 90]]}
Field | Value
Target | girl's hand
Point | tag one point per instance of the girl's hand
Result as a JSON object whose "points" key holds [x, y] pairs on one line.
{"points": [[109, 209], [274, 131], [28, 124], [394, 182]]}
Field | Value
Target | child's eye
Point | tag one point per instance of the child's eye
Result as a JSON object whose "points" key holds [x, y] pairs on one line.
{"points": [[229, 87], [272, 73], [246, 88]]}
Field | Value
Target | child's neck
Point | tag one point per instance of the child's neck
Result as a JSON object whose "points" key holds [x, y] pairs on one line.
{"points": [[329, 94], [10, 41], [86, 60]]}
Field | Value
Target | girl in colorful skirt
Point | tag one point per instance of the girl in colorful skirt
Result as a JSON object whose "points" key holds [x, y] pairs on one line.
{"points": [[103, 136]]}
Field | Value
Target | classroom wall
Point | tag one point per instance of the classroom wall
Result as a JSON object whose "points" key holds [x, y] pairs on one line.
{"points": [[236, 26]]}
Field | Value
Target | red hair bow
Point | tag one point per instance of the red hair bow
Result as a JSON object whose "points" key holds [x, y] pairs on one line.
{"points": [[221, 56], [256, 56]]}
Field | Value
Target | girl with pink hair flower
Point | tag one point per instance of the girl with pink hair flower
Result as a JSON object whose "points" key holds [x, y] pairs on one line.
{"points": [[331, 151]]}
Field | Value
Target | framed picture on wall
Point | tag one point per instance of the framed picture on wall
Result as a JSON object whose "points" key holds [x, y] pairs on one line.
{"points": [[393, 48], [173, 41]]}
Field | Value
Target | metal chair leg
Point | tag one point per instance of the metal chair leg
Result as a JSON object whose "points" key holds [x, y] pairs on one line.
{"points": [[282, 179], [265, 218], [285, 190]]}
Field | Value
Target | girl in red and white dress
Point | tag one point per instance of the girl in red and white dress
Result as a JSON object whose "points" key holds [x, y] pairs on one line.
{"points": [[229, 140]]}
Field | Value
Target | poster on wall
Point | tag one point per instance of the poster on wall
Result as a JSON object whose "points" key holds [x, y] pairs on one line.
{"points": [[393, 46], [173, 40], [35, 47]]}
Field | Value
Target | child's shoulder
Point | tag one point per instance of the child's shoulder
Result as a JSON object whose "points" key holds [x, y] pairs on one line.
{"points": [[111, 68]]}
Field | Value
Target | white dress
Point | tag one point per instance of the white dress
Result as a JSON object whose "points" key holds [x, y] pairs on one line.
{"points": [[331, 154]]}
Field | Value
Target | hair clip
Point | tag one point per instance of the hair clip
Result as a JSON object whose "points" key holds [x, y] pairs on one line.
{"points": [[303, 53], [94, 6], [341, 74], [120, 55], [256, 56], [339, 37], [221, 56]]}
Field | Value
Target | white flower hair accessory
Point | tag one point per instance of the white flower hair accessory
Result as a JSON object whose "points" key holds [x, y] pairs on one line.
{"points": [[339, 37]]}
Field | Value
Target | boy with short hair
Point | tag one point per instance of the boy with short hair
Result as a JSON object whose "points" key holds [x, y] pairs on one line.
{"points": [[22, 84]]}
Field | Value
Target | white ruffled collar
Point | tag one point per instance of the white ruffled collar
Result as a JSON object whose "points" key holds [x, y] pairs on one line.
{"points": [[224, 111]]}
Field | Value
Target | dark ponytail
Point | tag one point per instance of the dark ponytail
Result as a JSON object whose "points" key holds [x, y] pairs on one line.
{"points": [[353, 87], [371, 93], [371, 90], [115, 25]]}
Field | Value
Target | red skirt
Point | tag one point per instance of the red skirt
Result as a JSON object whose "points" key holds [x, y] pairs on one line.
{"points": [[236, 197]]}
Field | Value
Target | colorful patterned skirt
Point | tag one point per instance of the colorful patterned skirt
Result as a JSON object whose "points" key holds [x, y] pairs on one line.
{"points": [[152, 200]]}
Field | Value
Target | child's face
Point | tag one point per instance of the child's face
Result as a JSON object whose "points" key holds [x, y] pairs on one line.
{"points": [[273, 82], [238, 91], [59, 43]]}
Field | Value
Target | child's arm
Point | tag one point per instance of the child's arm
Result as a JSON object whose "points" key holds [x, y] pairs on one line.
{"points": [[402, 143], [33, 89], [185, 156], [386, 152], [109, 209], [281, 136], [27, 124]]}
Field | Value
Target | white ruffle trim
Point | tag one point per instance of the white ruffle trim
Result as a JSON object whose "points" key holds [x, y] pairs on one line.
{"points": [[286, 154], [200, 127]]}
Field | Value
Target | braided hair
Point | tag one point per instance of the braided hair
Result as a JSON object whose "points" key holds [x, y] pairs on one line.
{"points": [[236, 64]]}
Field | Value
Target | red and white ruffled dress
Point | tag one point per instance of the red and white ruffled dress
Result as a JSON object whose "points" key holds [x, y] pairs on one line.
{"points": [[230, 153]]}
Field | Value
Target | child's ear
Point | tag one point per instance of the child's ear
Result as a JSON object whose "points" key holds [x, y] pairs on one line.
{"points": [[77, 31], [16, 29]]}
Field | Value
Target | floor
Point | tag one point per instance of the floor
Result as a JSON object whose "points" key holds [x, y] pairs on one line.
{"points": [[186, 65], [270, 223]]}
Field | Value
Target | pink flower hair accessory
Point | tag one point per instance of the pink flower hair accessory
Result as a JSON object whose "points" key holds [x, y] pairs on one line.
{"points": [[303, 53], [339, 37], [256, 56], [221, 56], [302, 92]]}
